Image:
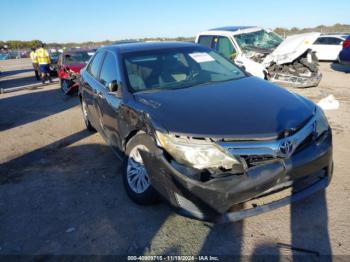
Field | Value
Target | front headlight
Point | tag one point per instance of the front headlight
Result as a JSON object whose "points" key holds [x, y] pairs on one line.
{"points": [[321, 124], [198, 155]]}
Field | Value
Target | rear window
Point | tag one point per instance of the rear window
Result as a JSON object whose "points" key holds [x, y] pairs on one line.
{"points": [[328, 41]]}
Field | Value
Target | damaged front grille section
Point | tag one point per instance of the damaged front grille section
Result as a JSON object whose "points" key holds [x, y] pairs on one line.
{"points": [[258, 152], [302, 72], [253, 152]]}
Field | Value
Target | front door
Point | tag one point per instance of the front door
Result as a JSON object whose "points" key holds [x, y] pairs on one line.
{"points": [[109, 103]]}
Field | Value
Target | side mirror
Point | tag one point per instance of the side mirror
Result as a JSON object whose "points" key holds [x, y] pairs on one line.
{"points": [[113, 86]]}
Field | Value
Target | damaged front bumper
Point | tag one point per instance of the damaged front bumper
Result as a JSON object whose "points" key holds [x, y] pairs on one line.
{"points": [[305, 172], [287, 80]]}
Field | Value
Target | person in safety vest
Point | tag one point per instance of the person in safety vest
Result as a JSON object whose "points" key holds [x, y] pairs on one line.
{"points": [[35, 63], [44, 60]]}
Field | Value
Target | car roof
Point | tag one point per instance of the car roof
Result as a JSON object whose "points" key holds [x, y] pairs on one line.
{"points": [[77, 51], [231, 28], [145, 46], [334, 35]]}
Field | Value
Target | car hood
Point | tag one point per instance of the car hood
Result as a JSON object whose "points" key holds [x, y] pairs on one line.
{"points": [[248, 108], [291, 48]]}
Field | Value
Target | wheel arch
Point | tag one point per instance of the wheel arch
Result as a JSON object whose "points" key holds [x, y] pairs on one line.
{"points": [[131, 134]]}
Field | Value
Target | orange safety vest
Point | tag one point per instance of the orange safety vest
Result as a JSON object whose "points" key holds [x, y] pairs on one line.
{"points": [[42, 56]]}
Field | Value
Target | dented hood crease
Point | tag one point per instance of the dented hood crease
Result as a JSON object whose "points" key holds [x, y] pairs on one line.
{"points": [[291, 48], [246, 108]]}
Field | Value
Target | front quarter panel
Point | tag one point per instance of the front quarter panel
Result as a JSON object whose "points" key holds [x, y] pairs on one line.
{"points": [[134, 119], [250, 66]]}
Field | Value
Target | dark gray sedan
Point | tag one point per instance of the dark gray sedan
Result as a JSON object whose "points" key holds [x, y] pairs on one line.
{"points": [[196, 130]]}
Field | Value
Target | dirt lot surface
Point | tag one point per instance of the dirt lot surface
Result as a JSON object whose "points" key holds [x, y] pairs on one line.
{"points": [[61, 189]]}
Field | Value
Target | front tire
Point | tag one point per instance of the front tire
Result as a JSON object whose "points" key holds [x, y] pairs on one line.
{"points": [[135, 177]]}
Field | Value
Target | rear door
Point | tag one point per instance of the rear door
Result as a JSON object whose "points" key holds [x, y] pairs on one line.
{"points": [[109, 103]]}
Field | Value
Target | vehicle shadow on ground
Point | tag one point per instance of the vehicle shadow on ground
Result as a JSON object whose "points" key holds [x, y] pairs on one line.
{"points": [[340, 67], [224, 240], [309, 233], [74, 199], [11, 167], [75, 204], [15, 72], [18, 82], [25, 108]]}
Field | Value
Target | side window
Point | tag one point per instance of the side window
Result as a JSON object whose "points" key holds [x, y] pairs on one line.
{"points": [[334, 41], [320, 41], [95, 64], [224, 47], [206, 40], [109, 70]]}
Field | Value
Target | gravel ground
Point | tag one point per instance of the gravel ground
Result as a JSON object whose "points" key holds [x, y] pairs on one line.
{"points": [[61, 189]]}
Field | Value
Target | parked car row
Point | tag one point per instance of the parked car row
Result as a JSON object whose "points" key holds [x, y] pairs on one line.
{"points": [[261, 52], [195, 129]]}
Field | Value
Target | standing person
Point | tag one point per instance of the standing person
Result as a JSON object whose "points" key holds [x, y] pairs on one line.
{"points": [[44, 60], [35, 63]]}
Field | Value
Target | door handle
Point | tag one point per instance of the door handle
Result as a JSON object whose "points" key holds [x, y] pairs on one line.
{"points": [[98, 93]]}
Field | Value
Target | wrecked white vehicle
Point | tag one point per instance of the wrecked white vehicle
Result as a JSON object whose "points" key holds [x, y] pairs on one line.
{"points": [[263, 53]]}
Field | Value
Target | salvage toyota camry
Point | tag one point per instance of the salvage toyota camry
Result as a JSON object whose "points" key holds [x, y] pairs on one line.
{"points": [[196, 130]]}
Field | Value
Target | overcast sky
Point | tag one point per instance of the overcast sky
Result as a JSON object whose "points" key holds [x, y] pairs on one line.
{"points": [[78, 20]]}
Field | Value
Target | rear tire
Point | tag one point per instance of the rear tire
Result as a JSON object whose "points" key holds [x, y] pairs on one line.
{"points": [[135, 177], [87, 122]]}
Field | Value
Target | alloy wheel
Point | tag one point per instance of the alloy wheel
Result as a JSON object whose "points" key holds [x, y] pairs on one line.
{"points": [[137, 175]]}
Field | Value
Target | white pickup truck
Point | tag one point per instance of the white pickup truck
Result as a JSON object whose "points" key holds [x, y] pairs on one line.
{"points": [[263, 53]]}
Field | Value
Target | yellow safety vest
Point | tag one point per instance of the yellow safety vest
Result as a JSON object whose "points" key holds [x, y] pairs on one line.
{"points": [[33, 57], [42, 56]]}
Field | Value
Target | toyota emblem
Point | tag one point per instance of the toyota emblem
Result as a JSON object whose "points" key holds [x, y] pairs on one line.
{"points": [[286, 148]]}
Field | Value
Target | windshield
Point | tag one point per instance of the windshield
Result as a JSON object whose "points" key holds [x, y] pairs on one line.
{"points": [[259, 39], [77, 58], [179, 68]]}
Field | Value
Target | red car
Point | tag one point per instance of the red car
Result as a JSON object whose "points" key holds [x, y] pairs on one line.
{"points": [[69, 65]]}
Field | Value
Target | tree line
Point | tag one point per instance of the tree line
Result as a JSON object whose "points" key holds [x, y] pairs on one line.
{"points": [[336, 28], [17, 44]]}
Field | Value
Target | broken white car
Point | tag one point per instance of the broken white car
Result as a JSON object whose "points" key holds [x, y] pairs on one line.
{"points": [[263, 53]]}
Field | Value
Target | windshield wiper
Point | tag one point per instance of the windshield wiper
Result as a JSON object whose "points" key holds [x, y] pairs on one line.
{"points": [[213, 82]]}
